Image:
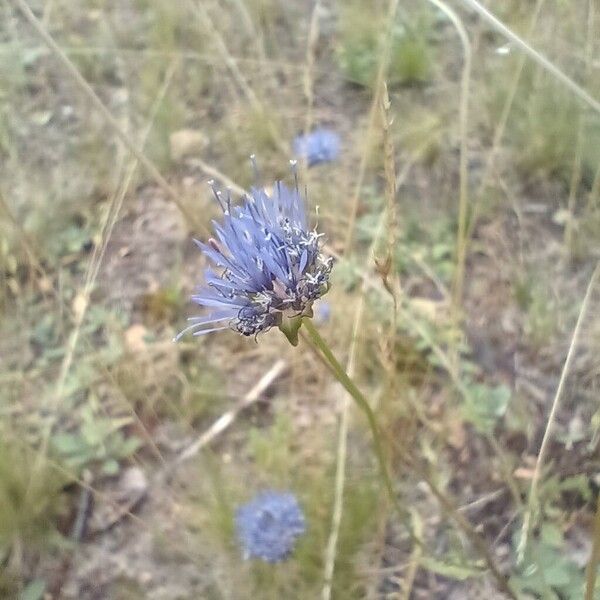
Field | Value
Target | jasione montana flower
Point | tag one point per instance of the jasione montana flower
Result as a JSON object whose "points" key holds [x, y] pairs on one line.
{"points": [[319, 146], [270, 266], [268, 526]]}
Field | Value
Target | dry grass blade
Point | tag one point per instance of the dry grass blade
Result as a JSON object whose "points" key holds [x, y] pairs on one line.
{"points": [[577, 162], [415, 558], [214, 173], [534, 54], [308, 77], [541, 458], [311, 59], [463, 202], [387, 267]]}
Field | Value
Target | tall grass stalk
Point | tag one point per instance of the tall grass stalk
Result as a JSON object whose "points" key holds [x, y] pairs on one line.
{"points": [[594, 191], [309, 68], [415, 558], [576, 174], [340, 467], [507, 106], [258, 39], [381, 70], [389, 164], [463, 198]]}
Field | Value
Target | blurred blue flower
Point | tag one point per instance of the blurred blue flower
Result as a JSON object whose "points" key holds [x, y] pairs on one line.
{"points": [[270, 265], [319, 146], [268, 526], [322, 312]]}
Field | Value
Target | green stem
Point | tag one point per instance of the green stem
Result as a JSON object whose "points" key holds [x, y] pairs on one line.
{"points": [[328, 358], [340, 374]]}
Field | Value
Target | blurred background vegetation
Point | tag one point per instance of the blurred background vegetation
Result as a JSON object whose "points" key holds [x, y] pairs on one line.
{"points": [[100, 494]]}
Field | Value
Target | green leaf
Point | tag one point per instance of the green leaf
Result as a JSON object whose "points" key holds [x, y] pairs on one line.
{"points": [[458, 572], [95, 432], [290, 327], [485, 405], [551, 535], [34, 590], [129, 446], [548, 572], [110, 467], [68, 443]]}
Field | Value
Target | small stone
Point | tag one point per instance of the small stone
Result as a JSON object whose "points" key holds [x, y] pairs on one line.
{"points": [[187, 142], [133, 482], [135, 338]]}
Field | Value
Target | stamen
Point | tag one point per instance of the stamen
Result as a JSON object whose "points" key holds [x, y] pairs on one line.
{"points": [[294, 167], [216, 193], [228, 201], [255, 170]]}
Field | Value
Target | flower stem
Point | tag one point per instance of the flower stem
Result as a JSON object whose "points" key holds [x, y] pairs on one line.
{"points": [[328, 358], [340, 374]]}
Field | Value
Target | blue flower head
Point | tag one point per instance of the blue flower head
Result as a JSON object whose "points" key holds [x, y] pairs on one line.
{"points": [[268, 269], [319, 146], [268, 526]]}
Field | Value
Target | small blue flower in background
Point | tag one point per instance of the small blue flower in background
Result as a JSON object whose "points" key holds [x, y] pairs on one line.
{"points": [[270, 266], [322, 312], [319, 146], [269, 525]]}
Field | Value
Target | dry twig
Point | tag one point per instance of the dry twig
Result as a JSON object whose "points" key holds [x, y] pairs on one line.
{"points": [[226, 419]]}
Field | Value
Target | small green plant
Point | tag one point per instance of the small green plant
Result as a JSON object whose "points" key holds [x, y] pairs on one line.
{"points": [[31, 503], [544, 129], [547, 571], [432, 243], [544, 309], [484, 405], [360, 48], [99, 441]]}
